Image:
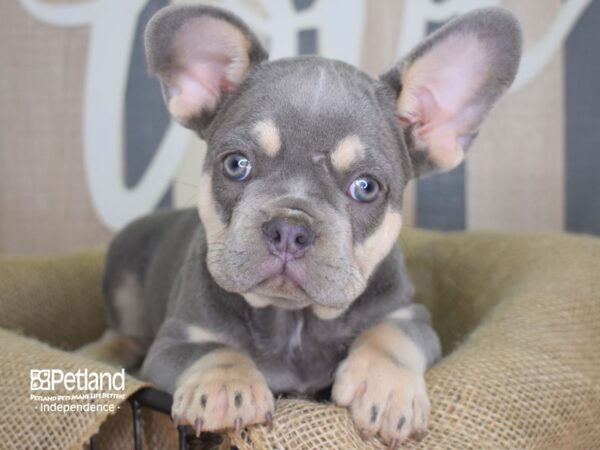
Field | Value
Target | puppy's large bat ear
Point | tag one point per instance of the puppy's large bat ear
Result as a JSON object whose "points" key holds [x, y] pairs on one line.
{"points": [[447, 84], [199, 53]]}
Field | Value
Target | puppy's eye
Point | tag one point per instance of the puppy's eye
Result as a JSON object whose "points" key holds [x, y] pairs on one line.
{"points": [[364, 189], [237, 167]]}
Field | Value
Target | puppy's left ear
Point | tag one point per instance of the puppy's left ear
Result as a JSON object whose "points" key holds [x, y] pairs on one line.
{"points": [[446, 86], [200, 53]]}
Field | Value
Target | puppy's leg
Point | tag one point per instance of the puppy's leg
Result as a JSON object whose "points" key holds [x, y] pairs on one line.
{"points": [[115, 349], [214, 386], [382, 379], [124, 343]]}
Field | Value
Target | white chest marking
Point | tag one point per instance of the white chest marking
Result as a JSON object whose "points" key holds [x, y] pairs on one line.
{"points": [[296, 338]]}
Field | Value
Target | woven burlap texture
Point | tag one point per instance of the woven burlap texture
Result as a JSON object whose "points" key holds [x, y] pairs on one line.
{"points": [[55, 300], [518, 316]]}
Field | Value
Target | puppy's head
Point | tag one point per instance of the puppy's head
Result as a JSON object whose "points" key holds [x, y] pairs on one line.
{"points": [[307, 159]]}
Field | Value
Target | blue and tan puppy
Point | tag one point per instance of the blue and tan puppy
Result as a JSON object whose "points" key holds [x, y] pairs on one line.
{"points": [[289, 280]]}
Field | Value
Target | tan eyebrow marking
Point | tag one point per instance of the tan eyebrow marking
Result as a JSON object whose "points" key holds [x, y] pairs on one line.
{"points": [[268, 137], [349, 150]]}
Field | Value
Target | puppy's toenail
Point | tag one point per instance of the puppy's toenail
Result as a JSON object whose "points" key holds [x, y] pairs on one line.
{"points": [[198, 427], [238, 424], [418, 435], [393, 444], [269, 419]]}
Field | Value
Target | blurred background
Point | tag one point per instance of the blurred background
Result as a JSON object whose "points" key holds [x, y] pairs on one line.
{"points": [[86, 144]]}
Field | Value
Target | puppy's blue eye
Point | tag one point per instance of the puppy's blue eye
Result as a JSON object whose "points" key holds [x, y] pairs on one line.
{"points": [[364, 189], [237, 167]]}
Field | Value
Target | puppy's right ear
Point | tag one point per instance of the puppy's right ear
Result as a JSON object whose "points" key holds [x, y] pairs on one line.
{"points": [[199, 53]]}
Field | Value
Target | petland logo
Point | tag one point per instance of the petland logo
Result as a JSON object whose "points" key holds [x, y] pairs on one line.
{"points": [[106, 390], [82, 380]]}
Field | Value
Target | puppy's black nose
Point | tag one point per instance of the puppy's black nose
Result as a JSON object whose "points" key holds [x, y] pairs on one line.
{"points": [[287, 240]]}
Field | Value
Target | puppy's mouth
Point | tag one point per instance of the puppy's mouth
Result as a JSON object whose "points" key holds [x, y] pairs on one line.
{"points": [[283, 280], [285, 275]]}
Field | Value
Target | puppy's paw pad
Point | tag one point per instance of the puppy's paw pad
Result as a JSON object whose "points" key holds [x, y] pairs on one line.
{"points": [[382, 396], [230, 397]]}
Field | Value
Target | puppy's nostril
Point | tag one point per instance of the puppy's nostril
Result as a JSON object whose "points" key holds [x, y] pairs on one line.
{"points": [[277, 237]]}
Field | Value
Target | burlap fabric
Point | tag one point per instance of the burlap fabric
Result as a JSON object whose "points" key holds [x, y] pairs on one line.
{"points": [[519, 317], [55, 300]]}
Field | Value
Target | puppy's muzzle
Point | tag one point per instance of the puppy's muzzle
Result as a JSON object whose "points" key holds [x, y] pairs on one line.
{"points": [[287, 239]]}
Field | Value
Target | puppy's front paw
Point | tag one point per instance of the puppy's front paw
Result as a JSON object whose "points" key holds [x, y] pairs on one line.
{"points": [[382, 396], [222, 396]]}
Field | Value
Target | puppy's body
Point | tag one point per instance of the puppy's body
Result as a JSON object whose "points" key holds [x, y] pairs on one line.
{"points": [[291, 279], [295, 350]]}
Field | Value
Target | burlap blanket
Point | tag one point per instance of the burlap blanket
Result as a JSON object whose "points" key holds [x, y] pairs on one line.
{"points": [[519, 317]]}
